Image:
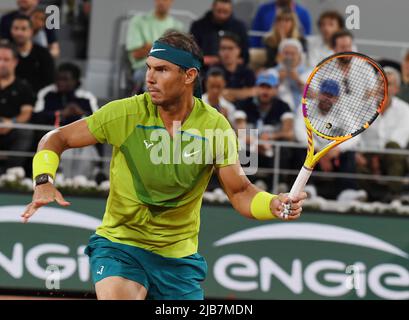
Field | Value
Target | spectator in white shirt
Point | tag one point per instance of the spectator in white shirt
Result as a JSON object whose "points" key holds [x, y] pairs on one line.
{"points": [[291, 71], [319, 46], [389, 131]]}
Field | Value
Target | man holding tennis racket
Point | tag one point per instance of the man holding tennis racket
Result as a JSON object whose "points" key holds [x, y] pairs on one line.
{"points": [[147, 244]]}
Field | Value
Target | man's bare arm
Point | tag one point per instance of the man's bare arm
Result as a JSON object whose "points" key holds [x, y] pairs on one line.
{"points": [[241, 192], [74, 135]]}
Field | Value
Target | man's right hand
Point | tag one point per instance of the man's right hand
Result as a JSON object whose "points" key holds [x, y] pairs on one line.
{"points": [[43, 194]]}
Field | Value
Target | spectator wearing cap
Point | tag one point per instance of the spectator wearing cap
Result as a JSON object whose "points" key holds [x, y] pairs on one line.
{"points": [[30, 8], [16, 106], [292, 72], [215, 23], [340, 159], [272, 118], [404, 87], [267, 13], [239, 79], [319, 46], [215, 83], [143, 30], [390, 130], [35, 63]]}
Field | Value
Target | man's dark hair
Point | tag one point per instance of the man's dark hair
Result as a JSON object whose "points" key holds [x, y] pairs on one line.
{"points": [[71, 68], [4, 44], [340, 34], [222, 1], [182, 41], [231, 36], [25, 18], [215, 72], [185, 42], [333, 15]]}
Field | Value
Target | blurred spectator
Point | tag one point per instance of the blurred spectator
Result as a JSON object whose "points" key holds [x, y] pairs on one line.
{"points": [[215, 84], [266, 15], [343, 41], [285, 27], [291, 71], [64, 102], [239, 79], [16, 105], [404, 87], [215, 23], [340, 159], [143, 30], [272, 118], [28, 8], [35, 63], [390, 131], [319, 46]]}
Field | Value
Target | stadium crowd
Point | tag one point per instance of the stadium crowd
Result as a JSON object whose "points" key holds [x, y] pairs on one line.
{"points": [[256, 82]]}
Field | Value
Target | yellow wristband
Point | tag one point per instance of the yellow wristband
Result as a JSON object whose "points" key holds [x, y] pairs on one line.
{"points": [[260, 206], [45, 161]]}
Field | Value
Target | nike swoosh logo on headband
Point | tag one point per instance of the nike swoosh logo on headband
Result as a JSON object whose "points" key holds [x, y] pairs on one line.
{"points": [[155, 50]]}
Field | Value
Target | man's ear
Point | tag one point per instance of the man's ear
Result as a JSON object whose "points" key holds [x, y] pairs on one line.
{"points": [[191, 75]]}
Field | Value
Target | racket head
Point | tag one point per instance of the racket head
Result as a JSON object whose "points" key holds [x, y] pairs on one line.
{"points": [[343, 96]]}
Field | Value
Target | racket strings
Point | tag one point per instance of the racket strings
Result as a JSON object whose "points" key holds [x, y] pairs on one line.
{"points": [[351, 100]]}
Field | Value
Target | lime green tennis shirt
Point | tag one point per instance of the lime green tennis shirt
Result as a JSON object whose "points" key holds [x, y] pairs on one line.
{"points": [[157, 180]]}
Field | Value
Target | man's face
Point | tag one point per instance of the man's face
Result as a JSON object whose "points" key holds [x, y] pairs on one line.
{"points": [[291, 56], [328, 27], [7, 63], [38, 19], [266, 93], [326, 101], [21, 32], [343, 44], [393, 85], [215, 86], [27, 4], [405, 66], [163, 6], [222, 11], [165, 81], [229, 51], [65, 82]]}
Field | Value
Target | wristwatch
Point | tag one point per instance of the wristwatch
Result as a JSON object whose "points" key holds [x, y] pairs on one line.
{"points": [[42, 179]]}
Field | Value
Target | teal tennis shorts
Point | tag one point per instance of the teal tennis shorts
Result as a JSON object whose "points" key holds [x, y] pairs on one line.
{"points": [[164, 278]]}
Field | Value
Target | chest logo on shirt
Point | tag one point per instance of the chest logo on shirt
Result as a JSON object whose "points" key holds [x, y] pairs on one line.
{"points": [[147, 144]]}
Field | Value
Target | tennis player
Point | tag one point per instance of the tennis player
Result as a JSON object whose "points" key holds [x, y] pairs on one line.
{"points": [[147, 244]]}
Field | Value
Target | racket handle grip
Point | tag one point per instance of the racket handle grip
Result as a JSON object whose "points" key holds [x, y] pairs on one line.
{"points": [[300, 182]]}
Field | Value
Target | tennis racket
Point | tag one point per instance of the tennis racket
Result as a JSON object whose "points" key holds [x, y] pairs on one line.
{"points": [[342, 97]]}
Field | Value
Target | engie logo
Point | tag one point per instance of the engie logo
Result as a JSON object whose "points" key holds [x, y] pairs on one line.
{"points": [[326, 278], [35, 259]]}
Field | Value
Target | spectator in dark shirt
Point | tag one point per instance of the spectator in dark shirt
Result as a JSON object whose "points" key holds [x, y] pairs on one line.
{"points": [[239, 79], [16, 106], [64, 102], [208, 30], [35, 65], [272, 118], [27, 8], [266, 15]]}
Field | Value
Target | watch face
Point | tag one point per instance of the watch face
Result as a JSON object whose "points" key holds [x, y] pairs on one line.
{"points": [[41, 179]]}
